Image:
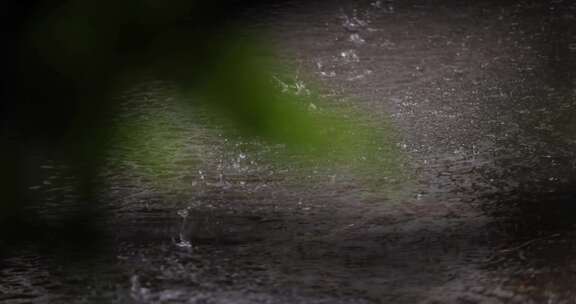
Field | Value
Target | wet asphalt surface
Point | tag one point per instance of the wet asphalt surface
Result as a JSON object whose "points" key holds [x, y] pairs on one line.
{"points": [[482, 96]]}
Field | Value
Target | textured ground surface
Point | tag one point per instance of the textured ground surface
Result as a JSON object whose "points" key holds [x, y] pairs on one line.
{"points": [[482, 96]]}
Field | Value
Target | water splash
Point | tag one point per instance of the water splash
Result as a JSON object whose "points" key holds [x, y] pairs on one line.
{"points": [[349, 56], [377, 4], [360, 76], [183, 241], [297, 87], [356, 39], [323, 73], [137, 292], [353, 23]]}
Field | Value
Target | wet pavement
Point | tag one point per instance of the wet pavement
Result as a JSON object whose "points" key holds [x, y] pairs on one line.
{"points": [[482, 97]]}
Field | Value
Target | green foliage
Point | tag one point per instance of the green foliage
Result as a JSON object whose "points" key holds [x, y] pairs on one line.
{"points": [[81, 54]]}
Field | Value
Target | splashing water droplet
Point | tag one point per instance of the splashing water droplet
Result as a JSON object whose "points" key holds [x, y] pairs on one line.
{"points": [[297, 88], [301, 88], [183, 242], [137, 292], [353, 24], [183, 213], [328, 74], [356, 39], [360, 76], [349, 56]]}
